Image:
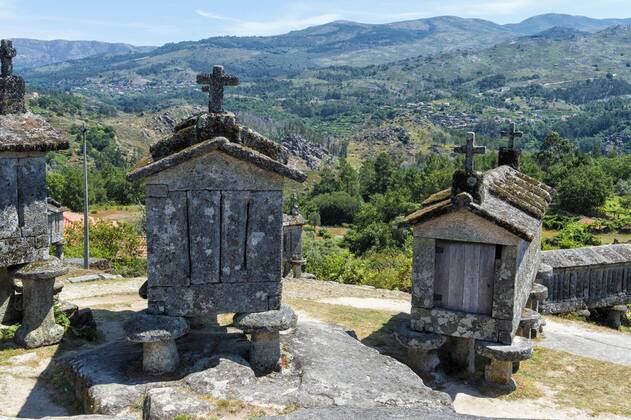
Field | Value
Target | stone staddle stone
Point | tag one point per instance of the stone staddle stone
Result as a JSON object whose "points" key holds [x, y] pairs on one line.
{"points": [[530, 321], [614, 315], [38, 324], [157, 333], [422, 346], [539, 292], [264, 329], [503, 357]]}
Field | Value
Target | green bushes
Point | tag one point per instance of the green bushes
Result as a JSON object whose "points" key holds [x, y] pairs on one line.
{"points": [[118, 243], [573, 235], [583, 189], [389, 269], [336, 208]]}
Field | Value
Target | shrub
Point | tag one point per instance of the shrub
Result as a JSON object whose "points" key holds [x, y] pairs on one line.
{"points": [[584, 188], [574, 235], [336, 208], [115, 242]]}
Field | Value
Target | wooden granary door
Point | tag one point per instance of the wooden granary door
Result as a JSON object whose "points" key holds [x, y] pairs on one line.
{"points": [[464, 276]]}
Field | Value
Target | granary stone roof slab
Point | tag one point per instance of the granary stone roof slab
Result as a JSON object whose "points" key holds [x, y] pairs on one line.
{"points": [[29, 132], [464, 226], [221, 144], [588, 256], [293, 220], [512, 200]]}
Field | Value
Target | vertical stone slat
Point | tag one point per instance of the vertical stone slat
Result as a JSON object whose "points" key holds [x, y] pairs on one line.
{"points": [[32, 190], [204, 229], [423, 272], [9, 228]]}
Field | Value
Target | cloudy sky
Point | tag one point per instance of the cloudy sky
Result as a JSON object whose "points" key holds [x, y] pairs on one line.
{"points": [[155, 22]]}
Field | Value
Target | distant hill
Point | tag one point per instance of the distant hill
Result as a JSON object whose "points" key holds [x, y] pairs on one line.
{"points": [[336, 43], [541, 23], [36, 53]]}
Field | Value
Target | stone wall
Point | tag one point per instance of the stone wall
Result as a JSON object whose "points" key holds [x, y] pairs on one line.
{"points": [[24, 227], [214, 235]]}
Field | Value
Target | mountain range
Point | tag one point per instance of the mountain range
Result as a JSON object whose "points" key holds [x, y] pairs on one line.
{"points": [[339, 43]]}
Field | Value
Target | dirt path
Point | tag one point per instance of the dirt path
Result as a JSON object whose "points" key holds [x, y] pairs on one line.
{"points": [[611, 346]]}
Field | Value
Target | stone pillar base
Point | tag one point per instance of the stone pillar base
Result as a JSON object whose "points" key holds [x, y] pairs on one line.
{"points": [[160, 357], [614, 316], [157, 333], [504, 359], [38, 321], [264, 328], [422, 347]]}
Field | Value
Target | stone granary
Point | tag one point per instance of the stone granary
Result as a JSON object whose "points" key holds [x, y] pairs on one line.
{"points": [[597, 277], [214, 232], [476, 256], [293, 224], [25, 139], [56, 226]]}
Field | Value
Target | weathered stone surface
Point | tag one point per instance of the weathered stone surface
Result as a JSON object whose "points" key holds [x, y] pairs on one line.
{"points": [[499, 372], [410, 338], [325, 367], [38, 322], [223, 145], [147, 328], [457, 324], [41, 270], [8, 314], [539, 292], [167, 403], [520, 349], [587, 278], [219, 298], [422, 347], [381, 413], [160, 357], [270, 321], [28, 132]]}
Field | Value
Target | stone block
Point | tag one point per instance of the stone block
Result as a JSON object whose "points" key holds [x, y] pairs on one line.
{"points": [[198, 300], [456, 324]]}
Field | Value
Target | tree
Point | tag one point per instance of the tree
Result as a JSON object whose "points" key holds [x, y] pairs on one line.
{"points": [[349, 180], [584, 188], [336, 208], [554, 150]]}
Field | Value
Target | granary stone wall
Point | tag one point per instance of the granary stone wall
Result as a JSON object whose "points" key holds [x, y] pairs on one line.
{"points": [[528, 260], [24, 229], [585, 278], [214, 237]]}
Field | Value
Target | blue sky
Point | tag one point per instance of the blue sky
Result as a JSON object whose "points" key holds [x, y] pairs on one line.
{"points": [[154, 22]]}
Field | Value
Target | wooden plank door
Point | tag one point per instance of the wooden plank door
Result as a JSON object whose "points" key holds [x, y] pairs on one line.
{"points": [[464, 276]]}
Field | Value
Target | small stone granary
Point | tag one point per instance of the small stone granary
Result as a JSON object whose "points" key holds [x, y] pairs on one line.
{"points": [[596, 277], [214, 233], [25, 139], [293, 224], [476, 256], [56, 227]]}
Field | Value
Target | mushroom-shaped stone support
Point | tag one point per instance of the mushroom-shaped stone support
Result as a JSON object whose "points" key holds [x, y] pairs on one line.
{"points": [[544, 273], [264, 328], [38, 321], [538, 294], [499, 371], [615, 314], [297, 262], [529, 324], [157, 333], [422, 347]]}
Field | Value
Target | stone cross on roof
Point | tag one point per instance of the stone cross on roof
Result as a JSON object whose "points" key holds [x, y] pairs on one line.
{"points": [[295, 211], [7, 53], [512, 134], [214, 84], [470, 149]]}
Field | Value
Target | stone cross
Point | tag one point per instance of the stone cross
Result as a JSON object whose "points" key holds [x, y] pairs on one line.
{"points": [[7, 53], [214, 84], [512, 134], [470, 149]]}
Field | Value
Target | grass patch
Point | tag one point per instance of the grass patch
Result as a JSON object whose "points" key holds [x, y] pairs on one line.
{"points": [[577, 382]]}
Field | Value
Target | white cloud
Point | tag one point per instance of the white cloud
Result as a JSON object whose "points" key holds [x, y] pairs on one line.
{"points": [[269, 27]]}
